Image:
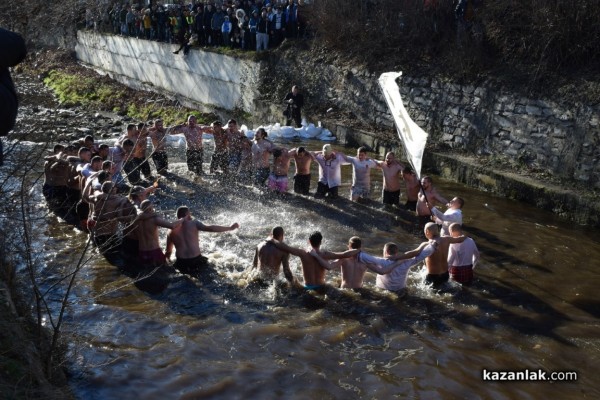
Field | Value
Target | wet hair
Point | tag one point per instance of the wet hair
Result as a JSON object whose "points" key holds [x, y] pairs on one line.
{"points": [[107, 164], [277, 232], [83, 150], [190, 117], [182, 211], [355, 242], [103, 146], [58, 148], [103, 176], [107, 187], [301, 150], [408, 170], [277, 153], [315, 239], [217, 123], [145, 205], [128, 142], [427, 178], [460, 201], [390, 248], [433, 228], [232, 121], [263, 132], [96, 159], [361, 149], [141, 125], [130, 127], [88, 137], [158, 121], [455, 227]]}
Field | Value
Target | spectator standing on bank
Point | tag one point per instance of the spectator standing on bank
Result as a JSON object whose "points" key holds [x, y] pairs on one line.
{"points": [[206, 24], [291, 20], [295, 102], [262, 31], [277, 27], [13, 51], [226, 31], [252, 24], [216, 25]]}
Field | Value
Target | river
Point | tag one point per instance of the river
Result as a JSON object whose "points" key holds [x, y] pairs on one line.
{"points": [[533, 306]]}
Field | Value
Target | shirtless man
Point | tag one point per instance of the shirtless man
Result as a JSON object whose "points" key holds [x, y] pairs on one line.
{"points": [[391, 183], [220, 157], [313, 268], [393, 268], [428, 196], [158, 135], [56, 177], [268, 259], [302, 159], [193, 139], [235, 140], [140, 145], [107, 212], [278, 179], [437, 263], [147, 223], [261, 150], [185, 239], [361, 173], [413, 186]]}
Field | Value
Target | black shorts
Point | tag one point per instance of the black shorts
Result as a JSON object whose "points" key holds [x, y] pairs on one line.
{"points": [[323, 190], [411, 205], [302, 184], [437, 279], [190, 265], [391, 198]]}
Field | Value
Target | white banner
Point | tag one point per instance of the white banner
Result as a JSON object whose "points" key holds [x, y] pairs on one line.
{"points": [[411, 135]]}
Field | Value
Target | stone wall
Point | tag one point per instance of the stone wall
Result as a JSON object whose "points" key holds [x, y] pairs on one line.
{"points": [[542, 134]]}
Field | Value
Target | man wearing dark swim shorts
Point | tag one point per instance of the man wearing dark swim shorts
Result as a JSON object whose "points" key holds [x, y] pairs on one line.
{"points": [[185, 240]]}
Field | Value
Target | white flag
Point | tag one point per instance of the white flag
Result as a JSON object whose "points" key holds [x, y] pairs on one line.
{"points": [[412, 136]]}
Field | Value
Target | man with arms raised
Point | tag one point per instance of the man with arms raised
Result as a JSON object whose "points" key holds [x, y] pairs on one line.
{"points": [[391, 183], [313, 264], [268, 259], [361, 174], [428, 196], [413, 186], [193, 139], [185, 239], [452, 215]]}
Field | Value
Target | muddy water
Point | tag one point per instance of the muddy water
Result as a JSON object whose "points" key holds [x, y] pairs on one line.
{"points": [[533, 306]]}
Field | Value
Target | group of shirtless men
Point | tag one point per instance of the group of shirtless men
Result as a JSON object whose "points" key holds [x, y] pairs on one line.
{"points": [[91, 180]]}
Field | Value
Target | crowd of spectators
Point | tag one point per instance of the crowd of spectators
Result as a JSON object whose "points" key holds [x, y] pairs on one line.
{"points": [[247, 25]]}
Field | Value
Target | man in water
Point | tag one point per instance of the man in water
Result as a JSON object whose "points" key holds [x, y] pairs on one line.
{"points": [[437, 263], [393, 268], [391, 183], [361, 173], [220, 157], [313, 268], [278, 179], [462, 257], [452, 215], [185, 240], [268, 259], [147, 223], [413, 186], [193, 140], [428, 196], [330, 172], [302, 159], [261, 150], [158, 135]]}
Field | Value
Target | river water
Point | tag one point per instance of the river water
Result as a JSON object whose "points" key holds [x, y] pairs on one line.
{"points": [[533, 306]]}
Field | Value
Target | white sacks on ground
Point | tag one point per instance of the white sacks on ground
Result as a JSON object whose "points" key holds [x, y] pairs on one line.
{"points": [[326, 135], [311, 131], [274, 131], [288, 132]]}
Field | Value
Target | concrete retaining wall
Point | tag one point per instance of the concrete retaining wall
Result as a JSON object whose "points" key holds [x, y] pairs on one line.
{"points": [[211, 79]]}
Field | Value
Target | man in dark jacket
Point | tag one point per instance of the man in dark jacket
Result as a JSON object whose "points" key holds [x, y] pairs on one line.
{"points": [[13, 50]]}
